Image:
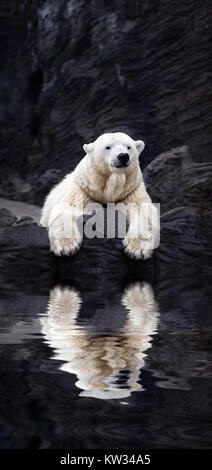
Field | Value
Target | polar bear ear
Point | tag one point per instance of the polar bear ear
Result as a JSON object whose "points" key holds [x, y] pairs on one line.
{"points": [[139, 145], [88, 147]]}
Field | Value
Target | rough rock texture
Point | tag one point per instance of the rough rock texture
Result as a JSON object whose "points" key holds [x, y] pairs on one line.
{"points": [[16, 188], [45, 183], [71, 70], [6, 218], [173, 180], [185, 240], [164, 178], [198, 187]]}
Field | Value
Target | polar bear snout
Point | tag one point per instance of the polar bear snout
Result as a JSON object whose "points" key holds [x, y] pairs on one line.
{"points": [[123, 159]]}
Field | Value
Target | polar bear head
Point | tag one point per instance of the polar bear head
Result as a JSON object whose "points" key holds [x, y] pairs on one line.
{"points": [[115, 152]]}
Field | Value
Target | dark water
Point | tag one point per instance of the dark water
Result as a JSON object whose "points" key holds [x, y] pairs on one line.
{"points": [[104, 363]]}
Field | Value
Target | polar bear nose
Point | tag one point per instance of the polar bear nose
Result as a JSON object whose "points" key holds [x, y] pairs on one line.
{"points": [[123, 158]]}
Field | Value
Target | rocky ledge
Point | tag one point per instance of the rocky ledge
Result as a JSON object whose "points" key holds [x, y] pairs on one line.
{"points": [[24, 246]]}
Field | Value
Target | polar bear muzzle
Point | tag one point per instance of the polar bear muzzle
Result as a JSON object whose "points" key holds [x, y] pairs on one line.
{"points": [[123, 160]]}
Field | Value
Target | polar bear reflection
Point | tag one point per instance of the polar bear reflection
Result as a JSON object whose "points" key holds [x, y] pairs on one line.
{"points": [[107, 364]]}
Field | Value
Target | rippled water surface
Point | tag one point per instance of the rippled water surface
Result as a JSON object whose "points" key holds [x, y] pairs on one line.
{"points": [[119, 365]]}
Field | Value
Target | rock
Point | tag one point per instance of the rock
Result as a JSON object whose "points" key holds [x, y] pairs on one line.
{"points": [[21, 209], [173, 180], [164, 178], [16, 188], [73, 70], [25, 221], [25, 255], [20, 236], [6, 218], [185, 240], [198, 187], [45, 183]]}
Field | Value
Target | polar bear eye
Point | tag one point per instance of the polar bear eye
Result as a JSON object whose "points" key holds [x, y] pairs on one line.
{"points": [[129, 147], [108, 147]]}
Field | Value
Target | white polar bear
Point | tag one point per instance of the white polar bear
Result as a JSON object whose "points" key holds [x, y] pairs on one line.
{"points": [[109, 173]]}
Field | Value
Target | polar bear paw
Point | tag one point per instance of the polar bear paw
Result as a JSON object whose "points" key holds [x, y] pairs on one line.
{"points": [[137, 248], [65, 246]]}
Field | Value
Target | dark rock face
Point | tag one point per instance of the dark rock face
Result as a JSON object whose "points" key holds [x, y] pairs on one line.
{"points": [[164, 178], [45, 183], [173, 180], [185, 238], [198, 187], [6, 218], [71, 70], [16, 188], [23, 221]]}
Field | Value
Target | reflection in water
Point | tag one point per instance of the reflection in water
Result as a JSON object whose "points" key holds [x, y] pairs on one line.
{"points": [[101, 337], [107, 362]]}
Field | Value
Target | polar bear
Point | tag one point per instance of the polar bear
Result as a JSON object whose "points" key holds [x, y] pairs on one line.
{"points": [[109, 173]]}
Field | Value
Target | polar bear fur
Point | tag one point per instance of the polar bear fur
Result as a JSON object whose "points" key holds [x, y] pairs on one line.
{"points": [[100, 178]]}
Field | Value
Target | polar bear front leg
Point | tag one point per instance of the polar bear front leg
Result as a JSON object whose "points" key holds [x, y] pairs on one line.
{"points": [[143, 233], [137, 242], [64, 234]]}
